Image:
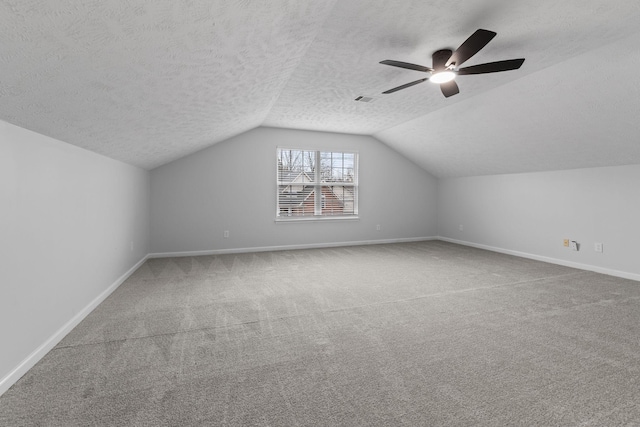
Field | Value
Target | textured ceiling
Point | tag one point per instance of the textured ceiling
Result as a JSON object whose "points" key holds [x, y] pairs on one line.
{"points": [[149, 81]]}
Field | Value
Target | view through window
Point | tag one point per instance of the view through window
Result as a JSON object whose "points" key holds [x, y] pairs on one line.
{"points": [[315, 184]]}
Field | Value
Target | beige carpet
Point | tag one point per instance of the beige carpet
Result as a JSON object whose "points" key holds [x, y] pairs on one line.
{"points": [[418, 334]]}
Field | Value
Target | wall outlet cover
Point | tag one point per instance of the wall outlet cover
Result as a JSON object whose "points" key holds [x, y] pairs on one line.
{"points": [[565, 242]]}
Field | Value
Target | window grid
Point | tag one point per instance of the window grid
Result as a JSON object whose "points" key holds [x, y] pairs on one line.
{"points": [[306, 191]]}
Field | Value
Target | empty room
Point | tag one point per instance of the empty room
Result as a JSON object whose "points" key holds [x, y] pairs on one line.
{"points": [[319, 213]]}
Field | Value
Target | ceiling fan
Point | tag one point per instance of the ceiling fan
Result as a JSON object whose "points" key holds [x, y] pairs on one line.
{"points": [[446, 64]]}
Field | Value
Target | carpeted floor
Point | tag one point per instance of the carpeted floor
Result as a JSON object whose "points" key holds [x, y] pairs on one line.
{"points": [[416, 334]]}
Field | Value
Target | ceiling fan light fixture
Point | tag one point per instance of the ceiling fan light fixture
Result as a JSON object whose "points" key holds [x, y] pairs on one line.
{"points": [[442, 77]]}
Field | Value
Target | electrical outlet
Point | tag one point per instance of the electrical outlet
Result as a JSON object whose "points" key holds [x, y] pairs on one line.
{"points": [[378, 227], [575, 246], [226, 234], [461, 227], [565, 242], [598, 247]]}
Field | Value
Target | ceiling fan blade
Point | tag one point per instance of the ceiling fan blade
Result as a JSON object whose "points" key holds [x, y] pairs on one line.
{"points": [[404, 86], [406, 65], [471, 46], [449, 88], [492, 67], [439, 59]]}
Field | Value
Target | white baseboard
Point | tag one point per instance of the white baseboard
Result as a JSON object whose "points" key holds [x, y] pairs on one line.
{"points": [[596, 269], [12, 377], [288, 247]]}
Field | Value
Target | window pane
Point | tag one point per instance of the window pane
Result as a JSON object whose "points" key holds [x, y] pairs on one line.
{"points": [[309, 162], [289, 165], [295, 200], [325, 167], [338, 200], [337, 167]]}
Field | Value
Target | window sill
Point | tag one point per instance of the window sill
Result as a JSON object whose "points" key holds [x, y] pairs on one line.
{"points": [[317, 218]]}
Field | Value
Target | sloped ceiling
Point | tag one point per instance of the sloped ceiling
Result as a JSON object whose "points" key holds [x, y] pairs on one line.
{"points": [[149, 81]]}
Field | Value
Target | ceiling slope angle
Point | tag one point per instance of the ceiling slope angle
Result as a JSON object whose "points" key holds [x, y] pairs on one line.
{"points": [[342, 63], [555, 119], [146, 82]]}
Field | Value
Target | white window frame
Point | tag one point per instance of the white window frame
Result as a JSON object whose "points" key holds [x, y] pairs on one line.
{"points": [[318, 184]]}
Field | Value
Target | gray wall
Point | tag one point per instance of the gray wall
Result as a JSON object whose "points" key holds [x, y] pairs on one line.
{"points": [[67, 220], [231, 186], [533, 212]]}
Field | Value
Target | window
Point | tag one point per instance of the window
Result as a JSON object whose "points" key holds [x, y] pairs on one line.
{"points": [[317, 184]]}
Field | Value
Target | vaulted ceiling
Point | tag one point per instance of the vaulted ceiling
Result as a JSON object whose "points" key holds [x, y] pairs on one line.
{"points": [[150, 81]]}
